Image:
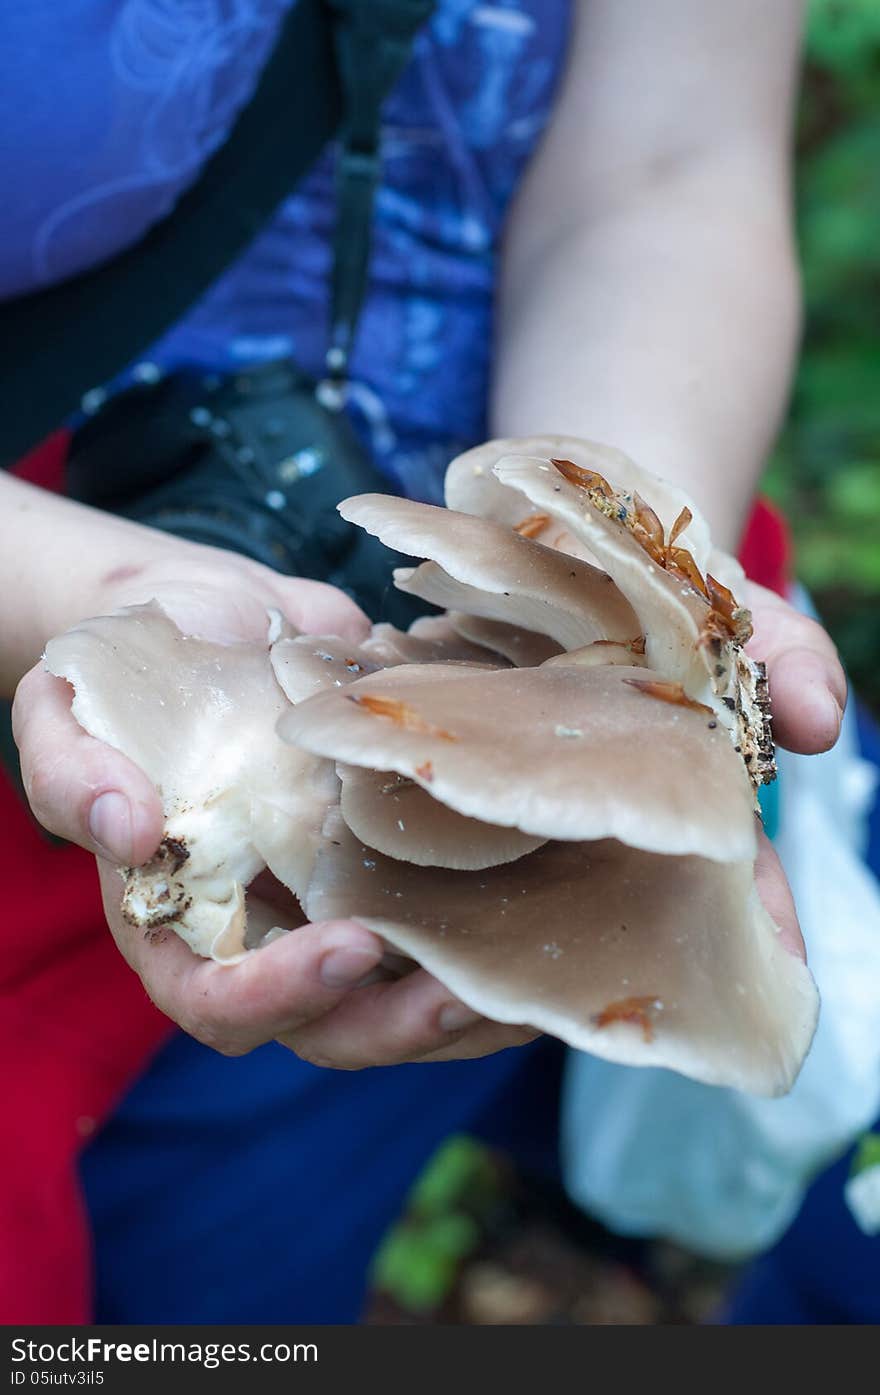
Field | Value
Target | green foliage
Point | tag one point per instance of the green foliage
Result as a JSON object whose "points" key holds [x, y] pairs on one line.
{"points": [[826, 470], [844, 35], [419, 1258], [417, 1263], [867, 1154]]}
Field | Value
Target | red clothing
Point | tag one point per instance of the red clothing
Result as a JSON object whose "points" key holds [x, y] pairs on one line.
{"points": [[77, 1027]]}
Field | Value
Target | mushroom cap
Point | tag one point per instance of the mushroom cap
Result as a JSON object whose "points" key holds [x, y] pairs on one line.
{"points": [[557, 751], [199, 719], [308, 664], [431, 639], [524, 648], [671, 612], [639, 958], [690, 639], [400, 819], [486, 569], [471, 487], [602, 653], [571, 618]]}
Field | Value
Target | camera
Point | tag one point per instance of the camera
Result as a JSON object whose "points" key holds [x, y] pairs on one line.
{"points": [[254, 462]]}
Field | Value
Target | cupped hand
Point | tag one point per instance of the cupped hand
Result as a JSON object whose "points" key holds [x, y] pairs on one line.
{"points": [[320, 990]]}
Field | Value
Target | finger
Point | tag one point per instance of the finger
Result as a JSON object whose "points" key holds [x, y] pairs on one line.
{"points": [[78, 787], [483, 1040], [776, 896], [807, 681], [273, 991], [316, 608], [387, 1023]]}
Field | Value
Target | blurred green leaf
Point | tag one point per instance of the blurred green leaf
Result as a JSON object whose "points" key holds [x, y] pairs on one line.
{"points": [[854, 492], [461, 1166], [419, 1258], [867, 1154], [843, 34]]}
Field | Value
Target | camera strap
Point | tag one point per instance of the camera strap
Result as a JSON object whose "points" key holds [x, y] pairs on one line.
{"points": [[332, 67]]}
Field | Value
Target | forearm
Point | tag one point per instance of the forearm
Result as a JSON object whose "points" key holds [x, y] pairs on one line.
{"points": [[667, 327], [55, 557]]}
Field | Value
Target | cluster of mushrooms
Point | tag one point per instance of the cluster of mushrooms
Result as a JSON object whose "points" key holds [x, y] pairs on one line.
{"points": [[544, 794]]}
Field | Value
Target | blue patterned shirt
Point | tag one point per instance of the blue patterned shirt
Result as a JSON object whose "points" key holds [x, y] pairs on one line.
{"points": [[108, 109]]}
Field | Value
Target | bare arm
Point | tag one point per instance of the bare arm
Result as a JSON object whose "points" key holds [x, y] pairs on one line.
{"points": [[650, 293], [61, 561], [53, 559]]}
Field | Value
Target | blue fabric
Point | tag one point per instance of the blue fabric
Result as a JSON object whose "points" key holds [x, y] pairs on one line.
{"points": [[108, 108], [825, 1269], [256, 1189]]}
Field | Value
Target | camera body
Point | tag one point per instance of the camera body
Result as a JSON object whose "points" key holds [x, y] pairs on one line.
{"points": [[255, 462]]}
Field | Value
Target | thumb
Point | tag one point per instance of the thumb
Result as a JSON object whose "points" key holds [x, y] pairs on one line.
{"points": [[318, 609], [78, 787]]}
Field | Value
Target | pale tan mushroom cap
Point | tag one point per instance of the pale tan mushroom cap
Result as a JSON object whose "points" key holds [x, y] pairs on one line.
{"points": [[402, 820], [432, 639], [310, 663], [600, 654], [670, 611], [471, 487], [558, 752], [485, 568], [638, 958], [524, 648]]}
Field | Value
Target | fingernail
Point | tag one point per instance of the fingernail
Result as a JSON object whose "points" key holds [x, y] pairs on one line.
{"points": [[344, 968], [835, 711], [454, 1017], [110, 824], [825, 711]]}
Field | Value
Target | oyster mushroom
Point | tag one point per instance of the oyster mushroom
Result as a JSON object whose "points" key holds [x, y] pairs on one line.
{"points": [[399, 817], [557, 752], [636, 957], [199, 718], [694, 631], [601, 653], [307, 664], [472, 487], [432, 639], [543, 795], [524, 648], [485, 568]]}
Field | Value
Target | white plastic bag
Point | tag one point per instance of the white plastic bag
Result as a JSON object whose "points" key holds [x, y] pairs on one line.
{"points": [[651, 1153]]}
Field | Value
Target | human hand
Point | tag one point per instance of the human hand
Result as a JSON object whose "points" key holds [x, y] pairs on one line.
{"points": [[807, 696], [302, 989]]}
